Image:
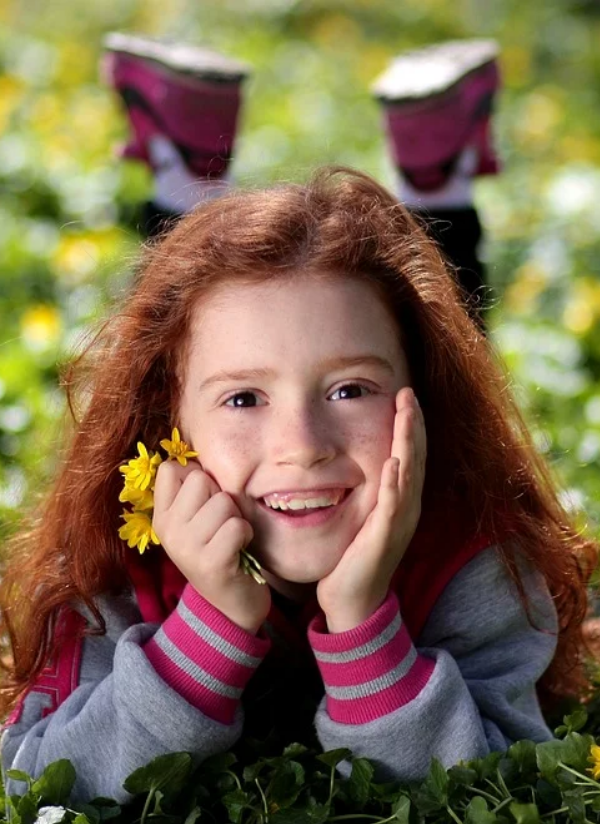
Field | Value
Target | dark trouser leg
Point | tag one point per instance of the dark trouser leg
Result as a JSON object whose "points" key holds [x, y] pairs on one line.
{"points": [[155, 221], [458, 233]]}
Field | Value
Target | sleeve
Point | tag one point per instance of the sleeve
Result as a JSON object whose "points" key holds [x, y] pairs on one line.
{"points": [[467, 688], [143, 690]]}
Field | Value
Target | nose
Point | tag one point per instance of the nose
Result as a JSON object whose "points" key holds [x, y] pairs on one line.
{"points": [[303, 437]]}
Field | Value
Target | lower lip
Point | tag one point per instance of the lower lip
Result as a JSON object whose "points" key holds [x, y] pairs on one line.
{"points": [[313, 517]]}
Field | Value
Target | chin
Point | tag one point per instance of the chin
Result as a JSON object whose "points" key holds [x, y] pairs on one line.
{"points": [[301, 572]]}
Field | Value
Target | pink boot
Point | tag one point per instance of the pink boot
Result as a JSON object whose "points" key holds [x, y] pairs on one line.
{"points": [[438, 101], [188, 94]]}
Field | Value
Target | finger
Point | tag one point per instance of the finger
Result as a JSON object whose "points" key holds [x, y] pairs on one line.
{"points": [[181, 491], [233, 536], [169, 479], [419, 445], [211, 517], [403, 445], [405, 404], [388, 500], [195, 492]]}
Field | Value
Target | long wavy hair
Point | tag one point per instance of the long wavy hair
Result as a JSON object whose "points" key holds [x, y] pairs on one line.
{"points": [[126, 387]]}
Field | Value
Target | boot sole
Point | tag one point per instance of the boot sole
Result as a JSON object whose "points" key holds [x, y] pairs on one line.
{"points": [[425, 73]]}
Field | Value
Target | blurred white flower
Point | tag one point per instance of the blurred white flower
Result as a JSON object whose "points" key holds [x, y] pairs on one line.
{"points": [[50, 815], [574, 191], [572, 499]]}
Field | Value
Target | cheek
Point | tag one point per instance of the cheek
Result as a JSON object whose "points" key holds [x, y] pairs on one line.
{"points": [[225, 455], [370, 440]]}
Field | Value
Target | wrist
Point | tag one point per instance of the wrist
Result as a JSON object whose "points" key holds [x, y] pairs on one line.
{"points": [[348, 619]]}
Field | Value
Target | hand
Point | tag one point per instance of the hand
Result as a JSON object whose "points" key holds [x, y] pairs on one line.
{"points": [[202, 531], [359, 584]]}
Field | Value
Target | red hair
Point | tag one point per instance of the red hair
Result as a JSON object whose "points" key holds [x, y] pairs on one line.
{"points": [[126, 387]]}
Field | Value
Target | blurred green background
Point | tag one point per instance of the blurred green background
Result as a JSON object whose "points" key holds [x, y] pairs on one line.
{"points": [[67, 205]]}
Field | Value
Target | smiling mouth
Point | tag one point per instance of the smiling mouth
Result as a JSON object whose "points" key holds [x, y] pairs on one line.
{"points": [[302, 508]]}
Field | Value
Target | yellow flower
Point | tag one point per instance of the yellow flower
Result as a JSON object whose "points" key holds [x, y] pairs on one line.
{"points": [[594, 757], [177, 449], [41, 327], [141, 499], [139, 472], [137, 530]]}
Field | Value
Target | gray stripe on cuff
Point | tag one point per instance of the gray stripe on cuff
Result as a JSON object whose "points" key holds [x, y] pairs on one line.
{"points": [[377, 684], [193, 670], [214, 639], [366, 649]]}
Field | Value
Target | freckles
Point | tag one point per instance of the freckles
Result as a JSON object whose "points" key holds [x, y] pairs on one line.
{"points": [[225, 454], [372, 436], [233, 448], [375, 445]]}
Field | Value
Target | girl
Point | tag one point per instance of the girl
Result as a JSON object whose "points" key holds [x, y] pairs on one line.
{"points": [[289, 333]]}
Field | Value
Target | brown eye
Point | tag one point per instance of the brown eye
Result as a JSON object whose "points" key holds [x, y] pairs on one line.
{"points": [[242, 400], [349, 391]]}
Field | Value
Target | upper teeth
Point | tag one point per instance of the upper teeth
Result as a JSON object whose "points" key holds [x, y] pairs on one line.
{"points": [[300, 503]]}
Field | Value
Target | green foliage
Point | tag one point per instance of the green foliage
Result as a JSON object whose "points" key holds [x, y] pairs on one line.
{"points": [[529, 784]]}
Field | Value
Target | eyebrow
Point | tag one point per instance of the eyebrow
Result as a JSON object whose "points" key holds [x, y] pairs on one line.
{"points": [[330, 365]]}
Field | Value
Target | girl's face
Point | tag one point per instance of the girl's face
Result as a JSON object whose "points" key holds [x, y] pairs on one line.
{"points": [[289, 399]]}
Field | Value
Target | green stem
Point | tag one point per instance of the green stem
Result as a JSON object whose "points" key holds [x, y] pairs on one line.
{"points": [[555, 812], [579, 775], [491, 783], [502, 804], [149, 798], [453, 814], [564, 810], [331, 780], [264, 800], [483, 793], [507, 793], [235, 778]]}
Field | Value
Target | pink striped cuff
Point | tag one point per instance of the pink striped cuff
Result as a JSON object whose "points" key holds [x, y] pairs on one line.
{"points": [[204, 656], [371, 670]]}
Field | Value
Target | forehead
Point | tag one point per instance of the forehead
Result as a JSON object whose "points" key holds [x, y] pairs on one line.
{"points": [[299, 314]]}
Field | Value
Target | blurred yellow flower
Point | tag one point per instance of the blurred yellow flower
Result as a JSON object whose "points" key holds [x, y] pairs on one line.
{"points": [[580, 147], [578, 316], [516, 64], [76, 63], [529, 282], [140, 472], [78, 254], [47, 114], [583, 307], [337, 31], [137, 530], [540, 117], [76, 257], [96, 108], [594, 757], [177, 449], [374, 59], [41, 327], [11, 94]]}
